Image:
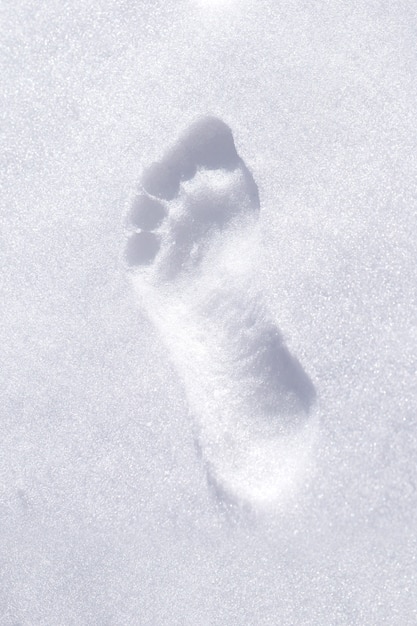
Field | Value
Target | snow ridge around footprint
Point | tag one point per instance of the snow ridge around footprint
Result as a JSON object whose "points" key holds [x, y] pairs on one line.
{"points": [[192, 247]]}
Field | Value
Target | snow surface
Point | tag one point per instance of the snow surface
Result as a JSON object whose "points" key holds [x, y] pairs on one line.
{"points": [[106, 513]]}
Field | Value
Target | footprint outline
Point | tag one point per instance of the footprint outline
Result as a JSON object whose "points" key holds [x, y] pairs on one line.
{"points": [[199, 173]]}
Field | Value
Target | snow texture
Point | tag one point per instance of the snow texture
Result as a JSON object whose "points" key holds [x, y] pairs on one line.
{"points": [[233, 440]]}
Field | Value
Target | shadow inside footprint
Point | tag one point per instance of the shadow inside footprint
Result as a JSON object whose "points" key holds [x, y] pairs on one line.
{"points": [[284, 386], [289, 372]]}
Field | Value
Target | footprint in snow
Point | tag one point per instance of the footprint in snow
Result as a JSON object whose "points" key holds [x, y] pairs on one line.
{"points": [[192, 255]]}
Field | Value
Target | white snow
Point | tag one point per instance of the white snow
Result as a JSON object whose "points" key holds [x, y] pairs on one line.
{"points": [[106, 513]]}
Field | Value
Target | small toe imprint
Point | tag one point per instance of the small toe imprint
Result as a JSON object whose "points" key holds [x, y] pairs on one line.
{"points": [[146, 213], [141, 248]]}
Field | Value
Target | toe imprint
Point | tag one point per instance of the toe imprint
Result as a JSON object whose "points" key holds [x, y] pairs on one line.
{"points": [[146, 213]]}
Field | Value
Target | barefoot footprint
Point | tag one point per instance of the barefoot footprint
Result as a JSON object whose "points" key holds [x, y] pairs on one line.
{"points": [[191, 250]]}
